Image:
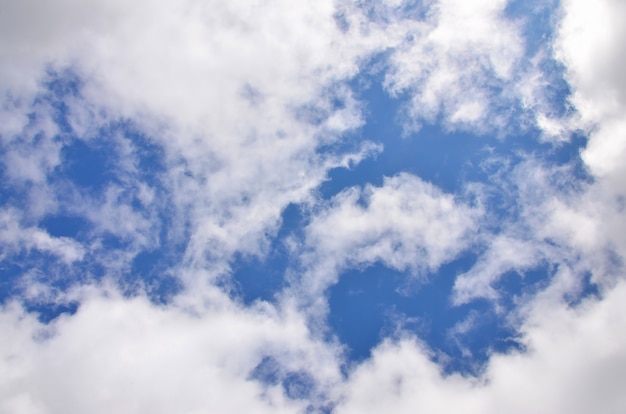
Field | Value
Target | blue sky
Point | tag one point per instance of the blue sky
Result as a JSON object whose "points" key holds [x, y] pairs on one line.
{"points": [[322, 207]]}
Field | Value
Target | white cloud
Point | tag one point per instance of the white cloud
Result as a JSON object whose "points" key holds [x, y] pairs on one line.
{"points": [[36, 170], [504, 254], [16, 238], [242, 96], [460, 62], [558, 223], [590, 43], [406, 224], [574, 363], [31, 150], [128, 355]]}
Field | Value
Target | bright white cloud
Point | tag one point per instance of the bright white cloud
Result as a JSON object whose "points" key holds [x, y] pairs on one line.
{"points": [[503, 255], [590, 43], [406, 224], [240, 96], [128, 355], [573, 363], [586, 221], [31, 150], [16, 238], [244, 98], [461, 63]]}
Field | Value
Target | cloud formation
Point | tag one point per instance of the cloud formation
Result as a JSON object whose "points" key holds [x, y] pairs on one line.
{"points": [[572, 362], [149, 151], [406, 224]]}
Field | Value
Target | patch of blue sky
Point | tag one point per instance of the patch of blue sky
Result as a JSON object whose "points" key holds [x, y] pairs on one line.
{"points": [[447, 159], [153, 270], [361, 301], [19, 271], [370, 304], [66, 225], [255, 278], [383, 12], [93, 160], [58, 87], [365, 302], [94, 164], [12, 268], [514, 285], [297, 385], [537, 19], [261, 278], [47, 312], [568, 153], [88, 166]]}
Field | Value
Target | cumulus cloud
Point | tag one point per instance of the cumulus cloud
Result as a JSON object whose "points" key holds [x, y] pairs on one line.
{"points": [[459, 62], [590, 42], [406, 224], [214, 117], [572, 363], [130, 355], [240, 96]]}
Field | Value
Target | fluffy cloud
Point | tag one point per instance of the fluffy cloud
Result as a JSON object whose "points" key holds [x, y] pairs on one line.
{"points": [[459, 62], [590, 42], [244, 107], [406, 224], [239, 96], [129, 355], [572, 362]]}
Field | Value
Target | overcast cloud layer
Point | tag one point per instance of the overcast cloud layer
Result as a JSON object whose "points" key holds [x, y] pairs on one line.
{"points": [[188, 189]]}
